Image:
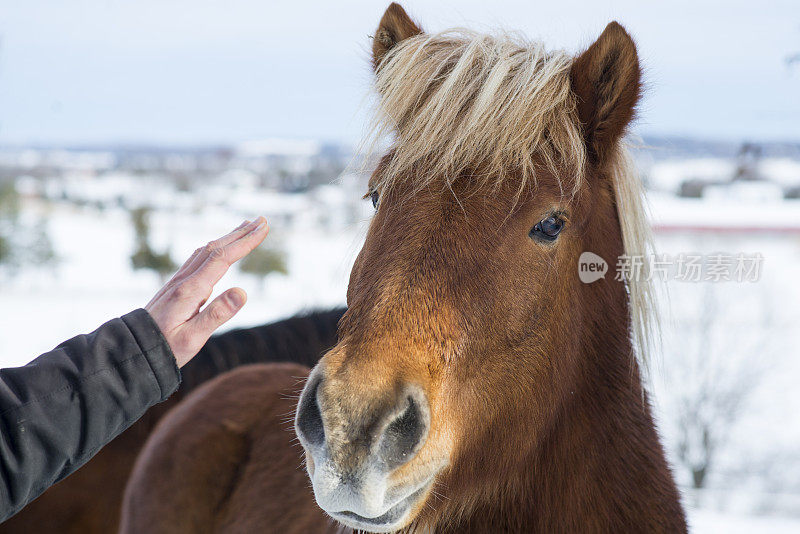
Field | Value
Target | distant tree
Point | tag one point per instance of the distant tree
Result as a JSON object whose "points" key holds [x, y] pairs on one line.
{"points": [[711, 378], [747, 161], [8, 220], [40, 248], [21, 244], [144, 257], [9, 201], [264, 261], [5, 250]]}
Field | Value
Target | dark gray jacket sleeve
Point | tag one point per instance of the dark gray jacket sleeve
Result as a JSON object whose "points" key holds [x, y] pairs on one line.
{"points": [[60, 409]]}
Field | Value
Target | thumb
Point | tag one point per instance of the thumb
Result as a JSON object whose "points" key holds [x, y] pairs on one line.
{"points": [[219, 312]]}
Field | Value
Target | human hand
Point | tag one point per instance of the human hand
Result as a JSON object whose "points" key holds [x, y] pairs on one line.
{"points": [[176, 307]]}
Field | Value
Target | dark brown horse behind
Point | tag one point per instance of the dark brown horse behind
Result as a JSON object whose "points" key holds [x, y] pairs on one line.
{"points": [[89, 501], [478, 385]]}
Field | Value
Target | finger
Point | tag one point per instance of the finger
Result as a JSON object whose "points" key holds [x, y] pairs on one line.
{"points": [[175, 278], [218, 262], [187, 268], [220, 311], [200, 255], [178, 275], [235, 234]]}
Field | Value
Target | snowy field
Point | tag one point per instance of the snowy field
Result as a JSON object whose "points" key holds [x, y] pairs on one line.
{"points": [[709, 521], [94, 281], [750, 334]]}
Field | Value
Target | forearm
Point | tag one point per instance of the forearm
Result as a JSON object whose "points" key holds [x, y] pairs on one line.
{"points": [[60, 409]]}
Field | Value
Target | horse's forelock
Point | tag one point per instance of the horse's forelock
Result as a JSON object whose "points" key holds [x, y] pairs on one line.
{"points": [[459, 100]]}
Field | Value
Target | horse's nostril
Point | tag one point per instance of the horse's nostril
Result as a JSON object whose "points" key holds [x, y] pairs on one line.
{"points": [[391, 437], [403, 436], [309, 419]]}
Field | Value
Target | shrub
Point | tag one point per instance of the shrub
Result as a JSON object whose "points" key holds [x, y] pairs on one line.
{"points": [[144, 257], [264, 261]]}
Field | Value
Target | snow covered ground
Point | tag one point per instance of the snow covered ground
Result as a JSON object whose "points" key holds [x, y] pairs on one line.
{"points": [[94, 281], [712, 522], [321, 233]]}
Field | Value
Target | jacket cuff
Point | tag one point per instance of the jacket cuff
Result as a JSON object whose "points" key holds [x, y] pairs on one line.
{"points": [[155, 349]]}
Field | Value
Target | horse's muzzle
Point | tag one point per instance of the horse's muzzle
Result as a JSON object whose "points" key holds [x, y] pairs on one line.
{"points": [[354, 445]]}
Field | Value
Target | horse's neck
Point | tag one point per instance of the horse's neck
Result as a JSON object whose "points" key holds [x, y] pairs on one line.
{"points": [[602, 465], [598, 468]]}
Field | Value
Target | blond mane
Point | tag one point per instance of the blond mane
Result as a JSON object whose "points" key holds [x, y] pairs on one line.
{"points": [[498, 107], [459, 99], [637, 241]]}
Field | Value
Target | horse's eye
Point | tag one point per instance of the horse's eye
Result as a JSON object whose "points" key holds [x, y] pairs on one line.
{"points": [[547, 229], [375, 197]]}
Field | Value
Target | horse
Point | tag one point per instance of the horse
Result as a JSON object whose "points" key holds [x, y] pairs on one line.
{"points": [[478, 384], [89, 501]]}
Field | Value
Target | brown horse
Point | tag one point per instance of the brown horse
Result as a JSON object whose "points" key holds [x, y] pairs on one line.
{"points": [[89, 501], [478, 384]]}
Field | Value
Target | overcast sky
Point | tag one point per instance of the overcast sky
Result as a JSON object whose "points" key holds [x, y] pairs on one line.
{"points": [[200, 71]]}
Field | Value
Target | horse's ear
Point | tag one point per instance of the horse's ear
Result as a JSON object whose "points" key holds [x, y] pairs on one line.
{"points": [[607, 82], [395, 26]]}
